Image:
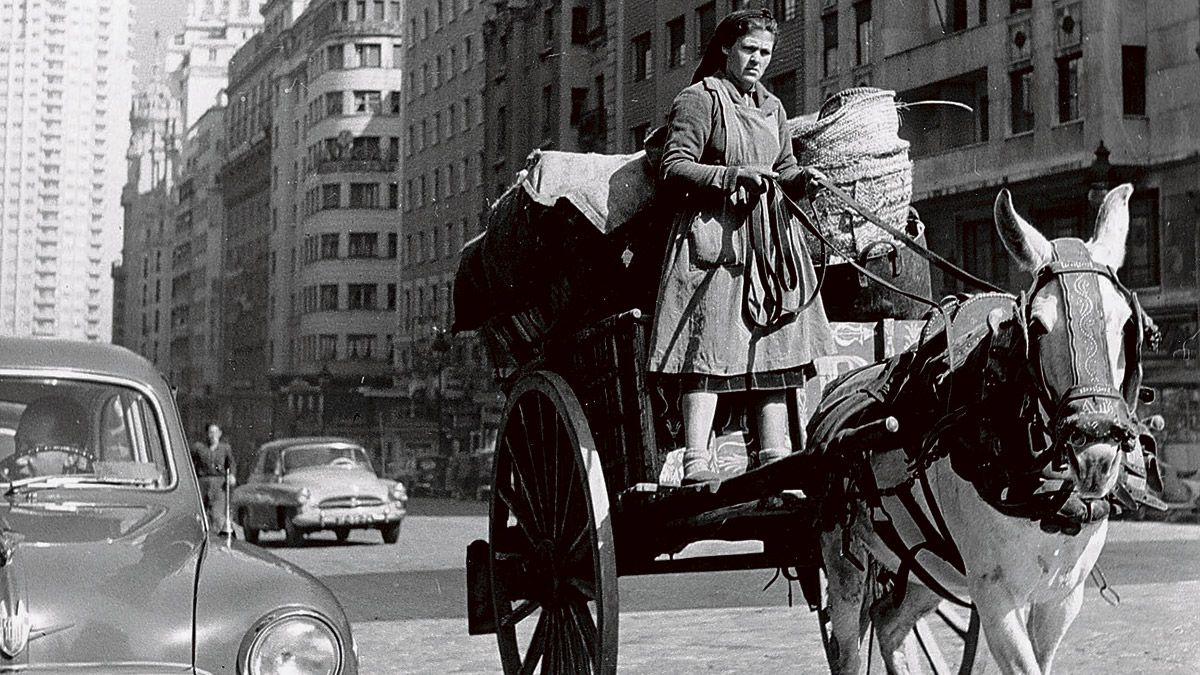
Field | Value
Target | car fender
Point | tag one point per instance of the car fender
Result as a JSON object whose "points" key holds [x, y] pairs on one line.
{"points": [[239, 585]]}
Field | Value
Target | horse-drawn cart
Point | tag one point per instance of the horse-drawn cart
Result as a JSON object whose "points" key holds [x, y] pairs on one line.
{"points": [[583, 490]]}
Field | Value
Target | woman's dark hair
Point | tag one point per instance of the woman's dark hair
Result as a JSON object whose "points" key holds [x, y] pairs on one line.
{"points": [[732, 27]]}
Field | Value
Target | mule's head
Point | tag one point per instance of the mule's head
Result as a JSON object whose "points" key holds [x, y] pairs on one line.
{"points": [[1079, 317]]}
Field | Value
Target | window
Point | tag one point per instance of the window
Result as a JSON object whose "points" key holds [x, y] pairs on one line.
{"points": [[391, 296], [579, 97], [547, 111], [643, 57], [328, 297], [637, 136], [1141, 268], [829, 26], [364, 195], [331, 196], [359, 347], [393, 195], [786, 10], [329, 246], [360, 296], [1068, 87], [397, 54], [394, 103], [363, 244], [579, 25], [676, 42], [1021, 87], [706, 24], [333, 103], [1133, 79], [1015, 6], [862, 33], [365, 148], [327, 346], [393, 245], [334, 57], [369, 56], [368, 102], [549, 28], [956, 18]]}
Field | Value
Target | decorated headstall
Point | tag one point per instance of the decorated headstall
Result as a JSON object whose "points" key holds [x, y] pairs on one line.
{"points": [[1089, 407]]}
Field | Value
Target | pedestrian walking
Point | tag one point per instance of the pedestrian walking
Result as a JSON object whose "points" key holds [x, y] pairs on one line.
{"points": [[212, 458]]}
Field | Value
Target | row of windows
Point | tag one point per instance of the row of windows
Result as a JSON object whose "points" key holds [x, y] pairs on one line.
{"points": [[329, 298], [369, 10], [351, 55], [444, 182], [360, 148], [704, 22], [328, 246], [427, 306], [438, 242], [361, 196], [444, 124], [349, 347], [439, 13], [444, 67], [356, 102]]}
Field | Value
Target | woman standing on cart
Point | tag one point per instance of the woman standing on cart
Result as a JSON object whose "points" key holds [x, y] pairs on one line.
{"points": [[738, 309]]}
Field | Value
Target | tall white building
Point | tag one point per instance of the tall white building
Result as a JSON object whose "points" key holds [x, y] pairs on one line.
{"points": [[198, 58], [65, 87]]}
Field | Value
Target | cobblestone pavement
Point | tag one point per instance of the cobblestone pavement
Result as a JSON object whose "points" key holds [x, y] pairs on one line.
{"points": [[406, 602]]}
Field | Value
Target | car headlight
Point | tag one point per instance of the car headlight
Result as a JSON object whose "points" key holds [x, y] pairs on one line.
{"points": [[399, 494], [294, 644]]}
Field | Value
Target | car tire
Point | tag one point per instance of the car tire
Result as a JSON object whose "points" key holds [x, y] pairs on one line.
{"points": [[250, 534], [343, 533], [293, 535], [390, 532]]}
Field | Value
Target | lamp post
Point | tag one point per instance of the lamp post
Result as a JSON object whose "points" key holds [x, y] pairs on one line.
{"points": [[1099, 179], [441, 346], [324, 379]]}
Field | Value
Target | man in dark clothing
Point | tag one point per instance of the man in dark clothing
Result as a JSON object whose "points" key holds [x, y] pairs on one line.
{"points": [[210, 460]]}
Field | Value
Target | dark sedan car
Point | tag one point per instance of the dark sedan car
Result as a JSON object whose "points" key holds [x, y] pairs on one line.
{"points": [[107, 564]]}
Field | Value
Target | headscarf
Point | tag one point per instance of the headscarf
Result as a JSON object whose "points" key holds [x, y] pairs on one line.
{"points": [[732, 27]]}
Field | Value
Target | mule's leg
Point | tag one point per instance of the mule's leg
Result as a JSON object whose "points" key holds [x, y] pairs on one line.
{"points": [[894, 622], [1048, 623], [1004, 626], [844, 592]]}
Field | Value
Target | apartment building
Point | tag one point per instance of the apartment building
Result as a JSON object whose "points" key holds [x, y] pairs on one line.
{"points": [[1068, 98], [198, 58], [143, 322], [65, 93], [332, 224]]}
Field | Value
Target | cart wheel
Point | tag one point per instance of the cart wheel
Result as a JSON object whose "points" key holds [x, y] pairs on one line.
{"points": [[552, 564]]}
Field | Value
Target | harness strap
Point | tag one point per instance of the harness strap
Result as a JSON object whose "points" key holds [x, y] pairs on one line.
{"points": [[942, 264]]}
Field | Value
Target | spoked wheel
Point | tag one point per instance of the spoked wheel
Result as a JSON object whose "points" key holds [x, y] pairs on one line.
{"points": [[552, 564]]}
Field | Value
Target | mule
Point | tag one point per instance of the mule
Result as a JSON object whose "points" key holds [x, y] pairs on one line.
{"points": [[1025, 580]]}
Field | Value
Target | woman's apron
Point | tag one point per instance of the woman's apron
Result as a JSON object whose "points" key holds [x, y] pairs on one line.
{"points": [[717, 313]]}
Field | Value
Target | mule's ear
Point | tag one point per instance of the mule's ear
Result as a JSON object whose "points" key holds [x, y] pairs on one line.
{"points": [[1112, 227], [1030, 249]]}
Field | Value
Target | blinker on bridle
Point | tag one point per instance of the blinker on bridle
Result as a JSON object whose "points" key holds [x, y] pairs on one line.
{"points": [[1090, 399]]}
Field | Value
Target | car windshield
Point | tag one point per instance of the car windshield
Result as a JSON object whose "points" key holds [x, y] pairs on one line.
{"points": [[91, 432], [325, 455]]}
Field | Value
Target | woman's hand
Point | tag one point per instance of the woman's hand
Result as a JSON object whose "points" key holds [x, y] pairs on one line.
{"points": [[811, 177], [754, 178]]}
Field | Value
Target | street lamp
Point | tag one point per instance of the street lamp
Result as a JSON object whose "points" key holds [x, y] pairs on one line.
{"points": [[441, 346], [1099, 179], [324, 379]]}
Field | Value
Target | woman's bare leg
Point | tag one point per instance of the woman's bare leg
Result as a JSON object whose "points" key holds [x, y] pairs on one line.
{"points": [[699, 408], [773, 440]]}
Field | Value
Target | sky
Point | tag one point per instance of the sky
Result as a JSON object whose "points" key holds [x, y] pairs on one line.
{"points": [[148, 15]]}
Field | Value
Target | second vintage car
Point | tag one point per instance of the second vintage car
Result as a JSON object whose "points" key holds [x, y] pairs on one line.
{"points": [[308, 484]]}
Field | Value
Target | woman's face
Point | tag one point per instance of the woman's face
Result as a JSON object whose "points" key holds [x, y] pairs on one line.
{"points": [[746, 60]]}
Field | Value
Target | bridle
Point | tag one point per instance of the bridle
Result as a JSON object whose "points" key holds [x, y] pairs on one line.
{"points": [[1089, 408]]}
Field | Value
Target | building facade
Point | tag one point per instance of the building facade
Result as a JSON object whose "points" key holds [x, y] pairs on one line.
{"points": [[1068, 98], [198, 58], [65, 92]]}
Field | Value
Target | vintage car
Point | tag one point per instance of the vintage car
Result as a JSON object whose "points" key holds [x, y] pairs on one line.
{"points": [[107, 563], [302, 485]]}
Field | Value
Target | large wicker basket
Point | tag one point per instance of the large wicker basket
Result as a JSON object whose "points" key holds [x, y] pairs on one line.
{"points": [[855, 141]]}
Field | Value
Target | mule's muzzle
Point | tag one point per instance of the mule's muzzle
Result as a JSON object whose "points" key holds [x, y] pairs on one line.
{"points": [[1093, 444]]}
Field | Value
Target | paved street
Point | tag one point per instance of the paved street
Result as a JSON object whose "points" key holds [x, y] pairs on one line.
{"points": [[406, 602]]}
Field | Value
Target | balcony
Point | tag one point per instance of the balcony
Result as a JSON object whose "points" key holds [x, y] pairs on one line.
{"points": [[357, 166]]}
